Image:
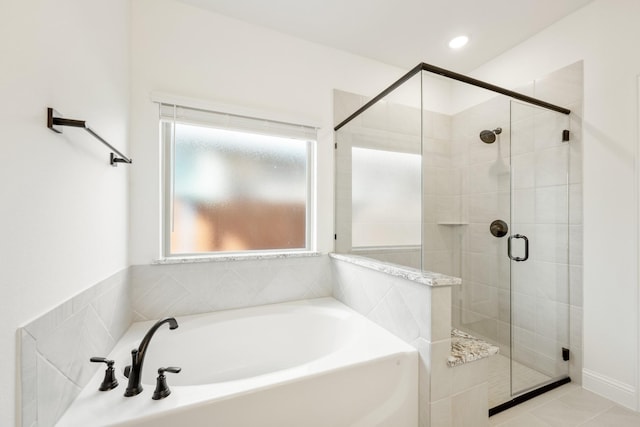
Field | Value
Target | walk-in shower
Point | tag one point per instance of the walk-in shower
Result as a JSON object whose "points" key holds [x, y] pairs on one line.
{"points": [[450, 174]]}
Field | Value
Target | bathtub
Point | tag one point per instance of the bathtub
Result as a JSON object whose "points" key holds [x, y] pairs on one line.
{"points": [[305, 363]]}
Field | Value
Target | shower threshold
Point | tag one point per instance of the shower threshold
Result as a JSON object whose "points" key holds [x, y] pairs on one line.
{"points": [[528, 395]]}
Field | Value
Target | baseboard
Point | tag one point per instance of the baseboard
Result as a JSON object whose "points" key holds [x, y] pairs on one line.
{"points": [[621, 393]]}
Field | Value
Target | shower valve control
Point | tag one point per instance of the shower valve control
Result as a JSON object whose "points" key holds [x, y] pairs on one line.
{"points": [[499, 228]]}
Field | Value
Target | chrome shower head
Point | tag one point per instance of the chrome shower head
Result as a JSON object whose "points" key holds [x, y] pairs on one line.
{"points": [[489, 136]]}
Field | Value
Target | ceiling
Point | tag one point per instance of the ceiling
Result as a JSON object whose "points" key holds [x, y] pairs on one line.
{"points": [[404, 32]]}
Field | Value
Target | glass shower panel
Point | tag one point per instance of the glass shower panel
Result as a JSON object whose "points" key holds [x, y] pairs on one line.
{"points": [[390, 215], [379, 179], [538, 246]]}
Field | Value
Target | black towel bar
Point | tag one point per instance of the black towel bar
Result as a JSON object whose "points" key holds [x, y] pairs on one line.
{"points": [[54, 120]]}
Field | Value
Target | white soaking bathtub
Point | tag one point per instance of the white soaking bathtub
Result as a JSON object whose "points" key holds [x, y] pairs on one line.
{"points": [[311, 363]]}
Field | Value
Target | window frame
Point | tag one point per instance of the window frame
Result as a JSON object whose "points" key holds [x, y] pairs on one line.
{"points": [[167, 152]]}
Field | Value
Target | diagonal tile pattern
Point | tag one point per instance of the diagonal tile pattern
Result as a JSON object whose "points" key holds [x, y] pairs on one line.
{"points": [[56, 347], [183, 289]]}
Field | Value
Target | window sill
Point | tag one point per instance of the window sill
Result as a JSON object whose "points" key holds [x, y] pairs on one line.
{"points": [[234, 257]]}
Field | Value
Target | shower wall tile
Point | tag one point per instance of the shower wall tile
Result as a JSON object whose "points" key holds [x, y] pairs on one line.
{"points": [[442, 127], [440, 261], [405, 120], [575, 162], [575, 244], [552, 243], [483, 208], [551, 166], [551, 205], [575, 285], [548, 127], [575, 204], [344, 104], [563, 87], [525, 201], [551, 281], [497, 152], [523, 170]]}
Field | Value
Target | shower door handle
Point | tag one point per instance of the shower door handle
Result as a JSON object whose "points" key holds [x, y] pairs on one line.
{"points": [[526, 247]]}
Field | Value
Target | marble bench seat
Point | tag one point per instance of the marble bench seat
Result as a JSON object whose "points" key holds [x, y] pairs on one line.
{"points": [[466, 348]]}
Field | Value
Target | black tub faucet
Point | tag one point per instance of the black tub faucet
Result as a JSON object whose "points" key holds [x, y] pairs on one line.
{"points": [[134, 371]]}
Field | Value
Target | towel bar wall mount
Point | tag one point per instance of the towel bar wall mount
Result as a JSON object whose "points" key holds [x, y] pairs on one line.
{"points": [[55, 121]]}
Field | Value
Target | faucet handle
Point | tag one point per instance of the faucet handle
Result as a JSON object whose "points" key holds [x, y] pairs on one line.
{"points": [[162, 389], [109, 382]]}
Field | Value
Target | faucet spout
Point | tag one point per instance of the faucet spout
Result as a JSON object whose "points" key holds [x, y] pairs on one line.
{"points": [[134, 372]]}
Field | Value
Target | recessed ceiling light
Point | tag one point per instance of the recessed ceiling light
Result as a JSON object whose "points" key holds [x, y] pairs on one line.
{"points": [[458, 42]]}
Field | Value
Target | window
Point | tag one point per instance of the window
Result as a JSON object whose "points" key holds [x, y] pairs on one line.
{"points": [[235, 184]]}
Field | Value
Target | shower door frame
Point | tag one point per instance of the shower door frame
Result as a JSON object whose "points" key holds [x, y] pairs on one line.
{"points": [[423, 66], [552, 215]]}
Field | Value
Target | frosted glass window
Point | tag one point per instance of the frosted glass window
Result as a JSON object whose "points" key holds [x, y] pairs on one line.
{"points": [[231, 190], [386, 198]]}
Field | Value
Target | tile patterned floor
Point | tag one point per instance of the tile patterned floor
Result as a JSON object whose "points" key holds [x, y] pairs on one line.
{"points": [[567, 406]]}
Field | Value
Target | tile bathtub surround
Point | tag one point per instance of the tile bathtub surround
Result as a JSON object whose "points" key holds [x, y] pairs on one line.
{"points": [[395, 297], [202, 287], [417, 312], [55, 348]]}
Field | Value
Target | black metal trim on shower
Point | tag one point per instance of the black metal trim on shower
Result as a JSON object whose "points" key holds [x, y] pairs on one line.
{"points": [[527, 396], [455, 76], [54, 119]]}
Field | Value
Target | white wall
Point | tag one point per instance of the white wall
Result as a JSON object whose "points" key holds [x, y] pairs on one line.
{"points": [[63, 207], [187, 51], [605, 35]]}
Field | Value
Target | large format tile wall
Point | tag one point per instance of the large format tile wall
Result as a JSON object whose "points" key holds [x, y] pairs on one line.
{"points": [[385, 126], [56, 347], [543, 296], [466, 185], [442, 201]]}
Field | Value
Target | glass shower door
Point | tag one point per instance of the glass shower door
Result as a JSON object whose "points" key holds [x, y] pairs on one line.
{"points": [[538, 247]]}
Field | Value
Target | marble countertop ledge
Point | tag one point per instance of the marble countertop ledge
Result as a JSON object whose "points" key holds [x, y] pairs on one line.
{"points": [[420, 276], [466, 348], [235, 257]]}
